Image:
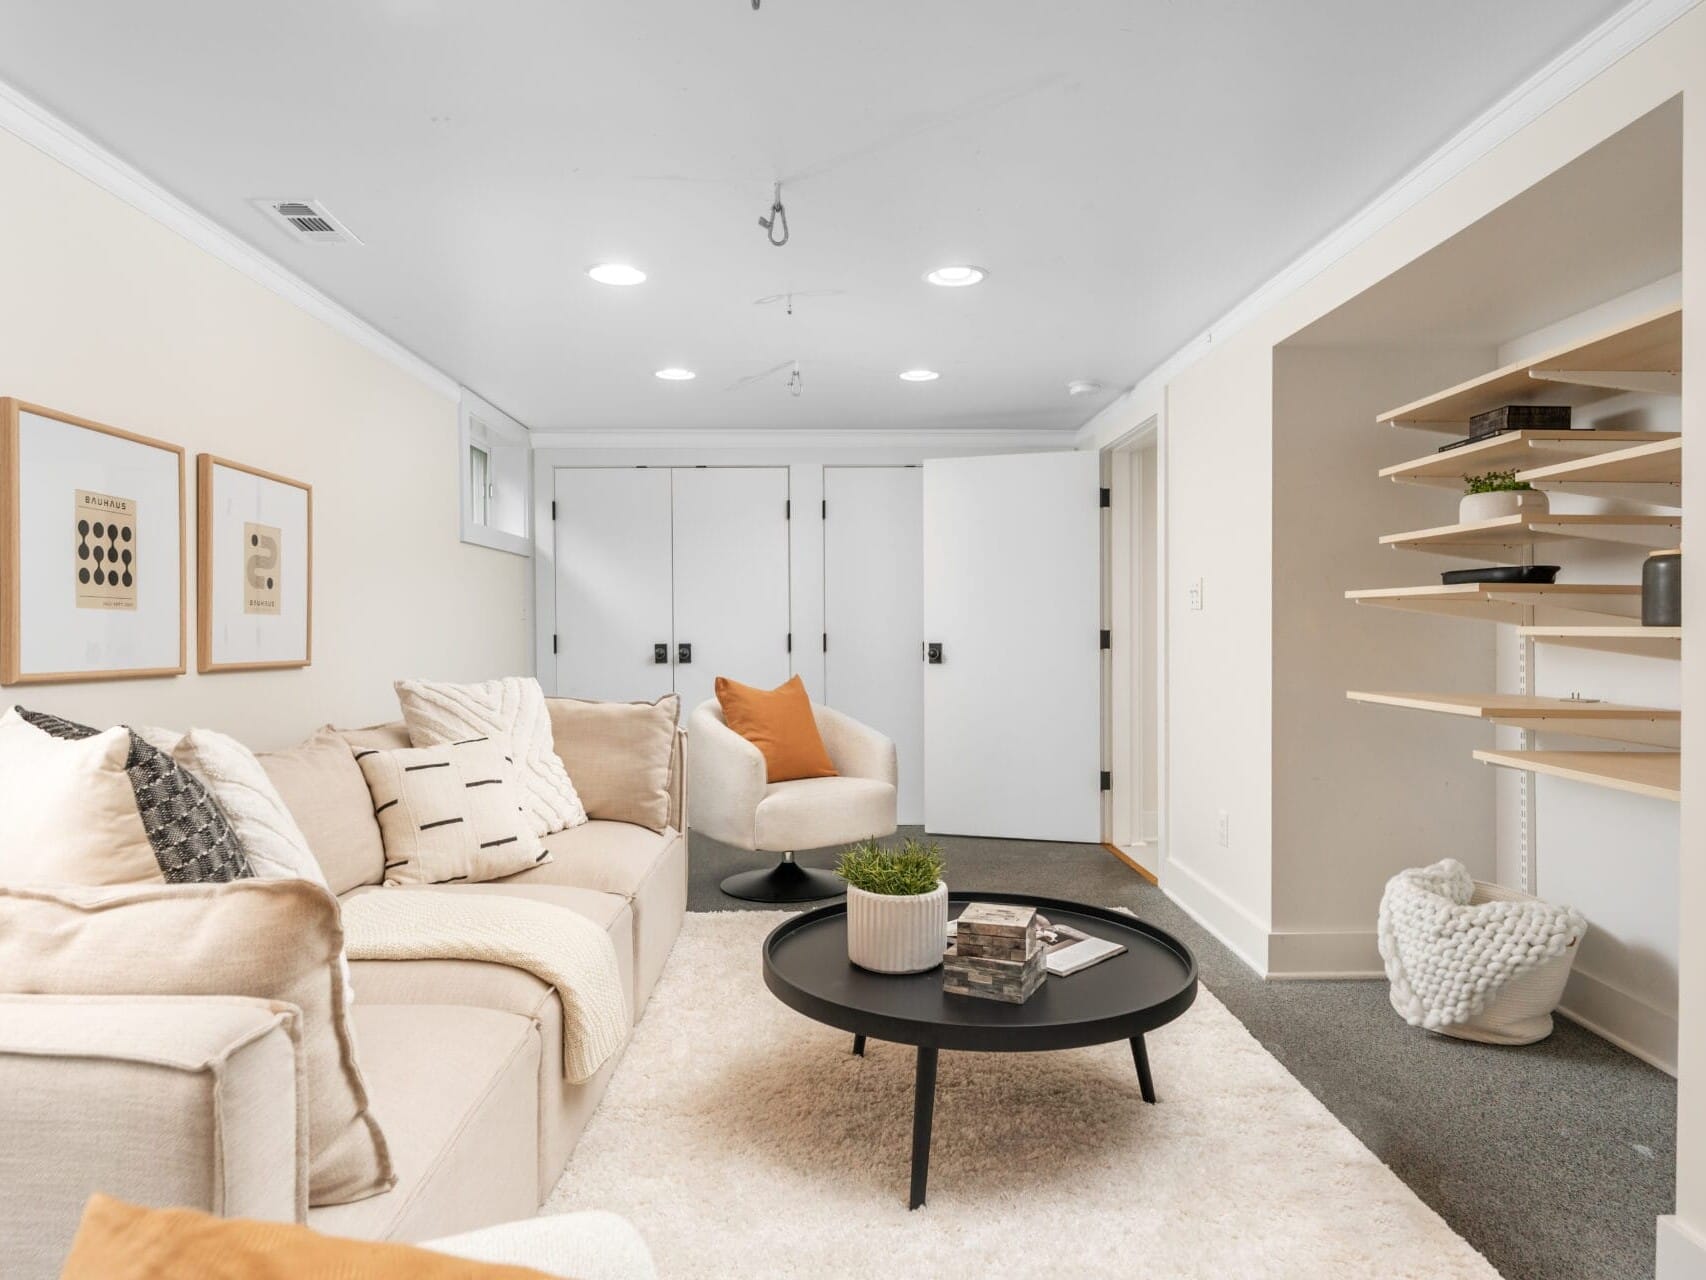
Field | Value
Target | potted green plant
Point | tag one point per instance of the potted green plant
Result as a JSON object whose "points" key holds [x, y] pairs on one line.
{"points": [[897, 906], [1498, 493]]}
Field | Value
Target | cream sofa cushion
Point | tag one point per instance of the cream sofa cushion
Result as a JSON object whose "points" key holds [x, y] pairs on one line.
{"points": [[448, 813], [511, 712], [618, 754], [322, 786], [267, 939], [67, 809]]}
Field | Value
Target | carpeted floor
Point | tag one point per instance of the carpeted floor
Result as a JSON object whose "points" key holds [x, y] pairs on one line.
{"points": [[747, 1140], [1552, 1160]]}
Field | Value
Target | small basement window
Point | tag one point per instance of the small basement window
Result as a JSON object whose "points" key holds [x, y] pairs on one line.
{"points": [[497, 473]]}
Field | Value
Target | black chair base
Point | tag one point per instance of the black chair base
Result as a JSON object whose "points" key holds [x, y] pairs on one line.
{"points": [[787, 881]]}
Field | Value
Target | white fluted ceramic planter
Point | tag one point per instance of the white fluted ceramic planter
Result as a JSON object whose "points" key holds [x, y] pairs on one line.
{"points": [[897, 933]]}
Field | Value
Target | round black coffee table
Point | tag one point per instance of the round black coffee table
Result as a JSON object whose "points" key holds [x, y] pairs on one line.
{"points": [[1152, 982]]}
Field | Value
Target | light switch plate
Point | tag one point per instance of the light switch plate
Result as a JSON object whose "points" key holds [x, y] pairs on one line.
{"points": [[1193, 596]]}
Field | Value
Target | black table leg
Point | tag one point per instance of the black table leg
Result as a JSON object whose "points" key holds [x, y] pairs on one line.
{"points": [[923, 1110], [859, 1045], [1140, 1055]]}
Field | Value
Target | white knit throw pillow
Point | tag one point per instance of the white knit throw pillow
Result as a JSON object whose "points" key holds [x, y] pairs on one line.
{"points": [[511, 713]]}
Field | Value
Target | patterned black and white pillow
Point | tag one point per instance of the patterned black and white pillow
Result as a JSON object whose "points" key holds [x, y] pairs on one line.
{"points": [[192, 841]]}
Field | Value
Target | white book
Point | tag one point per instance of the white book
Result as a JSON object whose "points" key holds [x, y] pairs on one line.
{"points": [[1081, 955]]}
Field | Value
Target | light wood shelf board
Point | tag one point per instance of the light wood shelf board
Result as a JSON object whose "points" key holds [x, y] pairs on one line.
{"points": [[1615, 722], [1562, 603], [1518, 451], [1660, 384], [1655, 468], [1646, 773], [1651, 642], [1651, 344], [1506, 533]]}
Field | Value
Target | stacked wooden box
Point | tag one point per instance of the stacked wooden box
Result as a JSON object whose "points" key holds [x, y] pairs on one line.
{"points": [[997, 954]]}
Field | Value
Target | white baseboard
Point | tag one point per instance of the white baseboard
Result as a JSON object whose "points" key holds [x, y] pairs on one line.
{"points": [[1244, 935], [1682, 1251], [1350, 953], [1623, 1018]]}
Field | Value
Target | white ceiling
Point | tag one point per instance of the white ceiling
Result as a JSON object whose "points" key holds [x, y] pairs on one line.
{"points": [[1126, 169]]}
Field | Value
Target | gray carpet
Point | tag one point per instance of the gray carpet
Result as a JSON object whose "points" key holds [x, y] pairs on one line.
{"points": [[1552, 1160]]}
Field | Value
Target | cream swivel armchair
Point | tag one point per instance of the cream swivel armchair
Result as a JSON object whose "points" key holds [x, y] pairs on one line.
{"points": [[730, 800]]}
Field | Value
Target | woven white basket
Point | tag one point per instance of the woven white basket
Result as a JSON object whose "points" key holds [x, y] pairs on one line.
{"points": [[1521, 1012]]}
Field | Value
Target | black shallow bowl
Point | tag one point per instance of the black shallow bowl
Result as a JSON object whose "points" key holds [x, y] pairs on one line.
{"points": [[1538, 573]]}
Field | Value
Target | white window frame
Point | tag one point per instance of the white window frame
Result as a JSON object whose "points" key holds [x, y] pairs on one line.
{"points": [[479, 422]]}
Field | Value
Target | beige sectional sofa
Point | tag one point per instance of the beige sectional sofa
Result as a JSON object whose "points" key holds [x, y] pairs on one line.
{"points": [[189, 1100]]}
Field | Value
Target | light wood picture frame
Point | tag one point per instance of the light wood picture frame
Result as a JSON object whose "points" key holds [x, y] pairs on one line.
{"points": [[254, 568], [86, 513]]}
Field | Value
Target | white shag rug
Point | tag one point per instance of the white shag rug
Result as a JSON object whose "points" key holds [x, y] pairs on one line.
{"points": [[742, 1138]]}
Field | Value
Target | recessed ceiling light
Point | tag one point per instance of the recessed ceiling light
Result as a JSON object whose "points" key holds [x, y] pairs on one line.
{"points": [[1082, 387], [920, 375], [616, 273], [956, 277], [676, 375]]}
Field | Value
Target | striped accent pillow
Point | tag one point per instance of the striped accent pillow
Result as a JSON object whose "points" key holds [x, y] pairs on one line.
{"points": [[449, 814]]}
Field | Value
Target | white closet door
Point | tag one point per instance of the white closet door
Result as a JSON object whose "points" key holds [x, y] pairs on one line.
{"points": [[613, 582], [1012, 593], [873, 610], [731, 578]]}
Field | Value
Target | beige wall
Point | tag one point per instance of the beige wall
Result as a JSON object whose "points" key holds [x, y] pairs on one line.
{"points": [[109, 315]]}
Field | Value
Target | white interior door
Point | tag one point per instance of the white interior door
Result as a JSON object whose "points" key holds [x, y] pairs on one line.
{"points": [[613, 582], [873, 610], [1012, 593], [731, 578]]}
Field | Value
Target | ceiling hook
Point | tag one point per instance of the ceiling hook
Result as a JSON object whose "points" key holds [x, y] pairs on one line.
{"points": [[778, 218]]}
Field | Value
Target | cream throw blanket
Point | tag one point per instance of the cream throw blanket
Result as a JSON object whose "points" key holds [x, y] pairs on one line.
{"points": [[557, 946]]}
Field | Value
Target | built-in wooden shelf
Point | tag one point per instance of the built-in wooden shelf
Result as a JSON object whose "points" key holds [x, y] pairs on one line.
{"points": [[1645, 473], [1648, 642], [1561, 603], [1651, 726], [1498, 539], [1518, 451], [1574, 374], [1646, 773]]}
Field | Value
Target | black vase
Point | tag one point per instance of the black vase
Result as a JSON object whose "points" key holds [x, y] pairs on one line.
{"points": [[1661, 590]]}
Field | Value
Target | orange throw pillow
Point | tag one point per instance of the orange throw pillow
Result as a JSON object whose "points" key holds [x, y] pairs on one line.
{"points": [[779, 723], [119, 1241]]}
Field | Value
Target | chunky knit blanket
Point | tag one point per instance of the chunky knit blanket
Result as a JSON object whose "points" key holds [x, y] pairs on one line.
{"points": [[1446, 959], [566, 950]]}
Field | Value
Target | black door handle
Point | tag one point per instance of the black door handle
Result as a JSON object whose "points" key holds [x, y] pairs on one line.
{"points": [[933, 653], [684, 654], [660, 654]]}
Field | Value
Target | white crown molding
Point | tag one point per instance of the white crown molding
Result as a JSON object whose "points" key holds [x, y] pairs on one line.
{"points": [[81, 154], [1627, 29], [647, 438]]}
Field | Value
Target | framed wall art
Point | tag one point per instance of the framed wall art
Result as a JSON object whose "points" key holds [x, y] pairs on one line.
{"points": [[254, 568], [91, 550]]}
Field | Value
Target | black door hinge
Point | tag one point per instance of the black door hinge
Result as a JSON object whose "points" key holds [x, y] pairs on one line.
{"points": [[553, 642], [1107, 497], [790, 642], [787, 509], [826, 642], [1107, 781], [553, 509], [1107, 638], [825, 509]]}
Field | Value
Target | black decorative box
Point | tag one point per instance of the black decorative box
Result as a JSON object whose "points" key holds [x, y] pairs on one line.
{"points": [[1520, 417]]}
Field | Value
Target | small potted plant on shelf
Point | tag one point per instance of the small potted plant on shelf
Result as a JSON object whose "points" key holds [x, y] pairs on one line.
{"points": [[897, 906], [1498, 493]]}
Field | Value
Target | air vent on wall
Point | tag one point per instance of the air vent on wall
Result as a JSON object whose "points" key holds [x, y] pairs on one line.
{"points": [[306, 220]]}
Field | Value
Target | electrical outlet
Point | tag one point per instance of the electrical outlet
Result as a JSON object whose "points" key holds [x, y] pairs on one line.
{"points": [[1223, 829], [1193, 596]]}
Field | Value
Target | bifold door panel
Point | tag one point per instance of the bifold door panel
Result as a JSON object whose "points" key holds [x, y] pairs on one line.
{"points": [[1012, 594], [613, 583], [873, 610], [668, 577]]}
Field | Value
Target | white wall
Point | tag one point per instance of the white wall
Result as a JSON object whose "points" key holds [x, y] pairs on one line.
{"points": [[111, 316]]}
